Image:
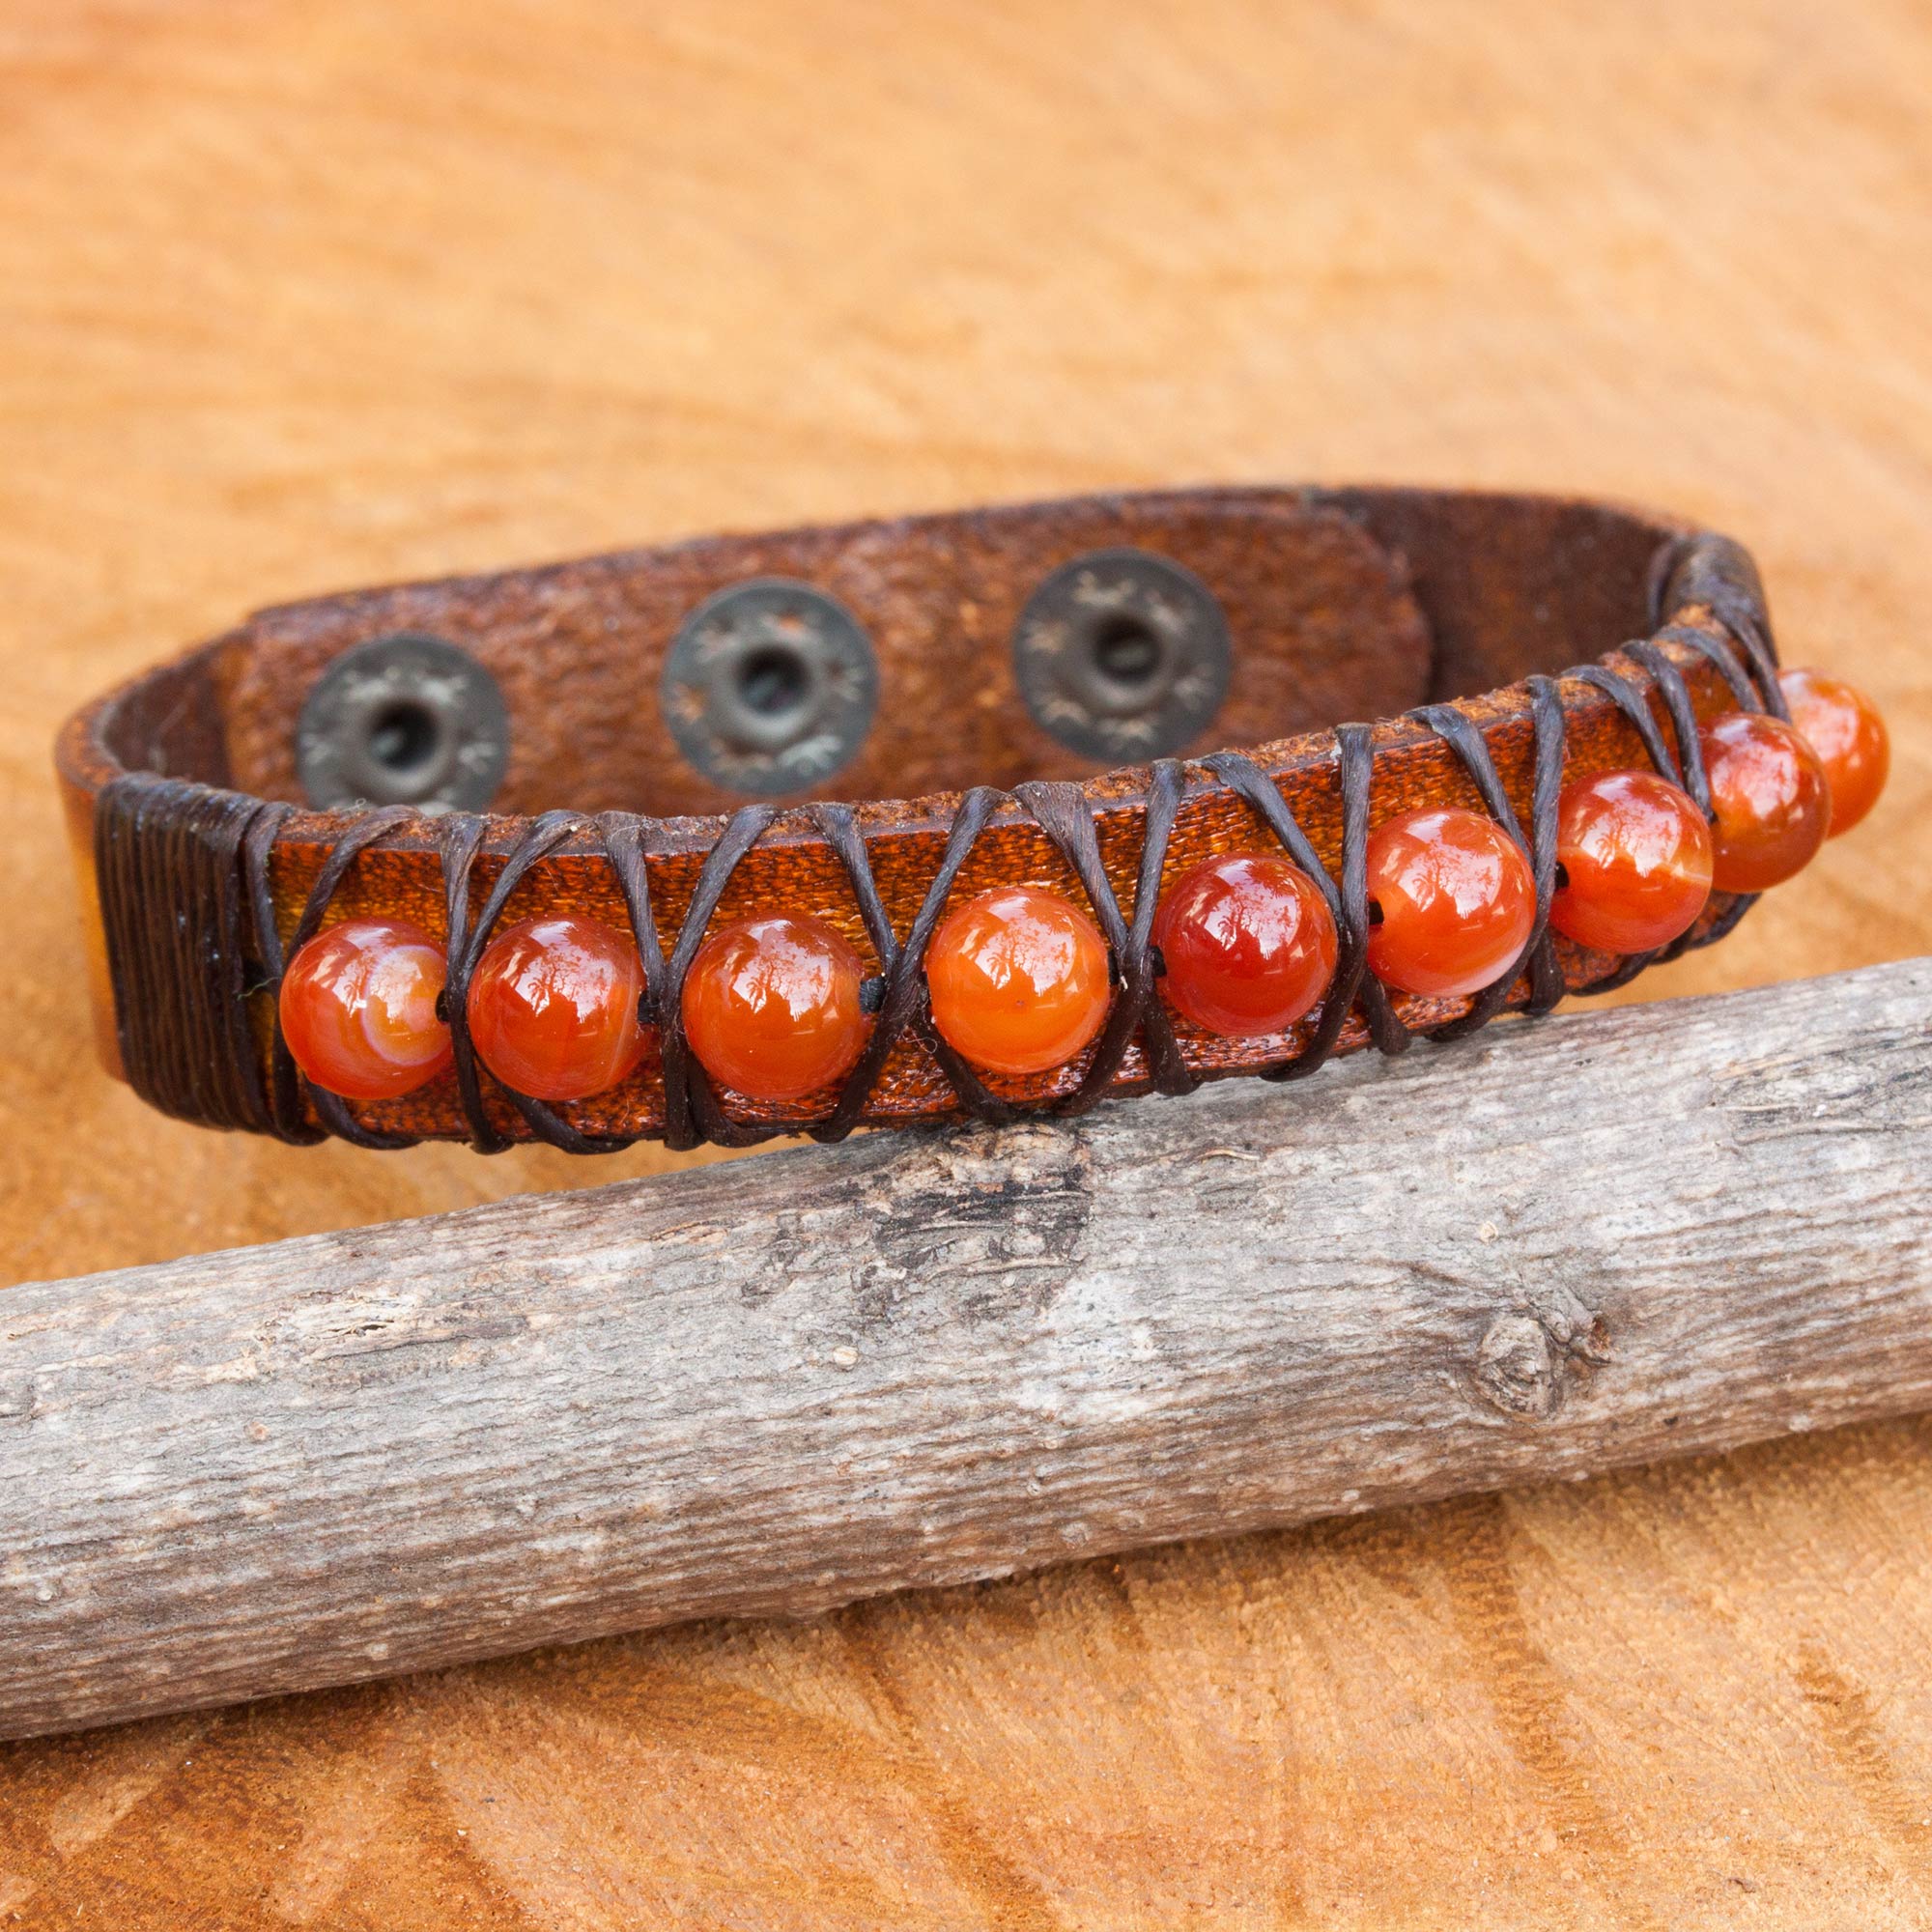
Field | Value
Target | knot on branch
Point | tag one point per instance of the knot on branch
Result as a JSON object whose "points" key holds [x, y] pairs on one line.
{"points": [[1516, 1367], [1520, 1360]]}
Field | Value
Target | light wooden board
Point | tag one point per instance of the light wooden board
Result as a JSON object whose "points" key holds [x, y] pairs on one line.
{"points": [[293, 298]]}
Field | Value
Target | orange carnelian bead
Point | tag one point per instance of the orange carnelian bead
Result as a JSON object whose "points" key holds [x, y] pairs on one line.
{"points": [[1771, 803], [1457, 902], [772, 1006], [1635, 854], [1841, 725], [1248, 942], [359, 1008], [1018, 981], [554, 1007]]}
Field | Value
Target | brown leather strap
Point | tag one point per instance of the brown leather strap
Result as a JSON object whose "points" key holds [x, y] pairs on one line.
{"points": [[1382, 604]]}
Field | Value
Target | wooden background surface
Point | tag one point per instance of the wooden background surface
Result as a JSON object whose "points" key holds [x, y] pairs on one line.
{"points": [[296, 297]]}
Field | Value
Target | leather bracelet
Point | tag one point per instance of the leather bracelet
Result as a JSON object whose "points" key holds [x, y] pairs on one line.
{"points": [[982, 663]]}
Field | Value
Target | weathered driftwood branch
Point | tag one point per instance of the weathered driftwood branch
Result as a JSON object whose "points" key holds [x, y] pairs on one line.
{"points": [[779, 1386]]}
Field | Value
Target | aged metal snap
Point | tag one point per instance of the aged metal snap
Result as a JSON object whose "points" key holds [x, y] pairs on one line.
{"points": [[1123, 655], [770, 686], [404, 720]]}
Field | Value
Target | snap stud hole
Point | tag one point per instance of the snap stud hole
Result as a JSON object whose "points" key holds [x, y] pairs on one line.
{"points": [[773, 681], [1126, 651], [403, 738]]}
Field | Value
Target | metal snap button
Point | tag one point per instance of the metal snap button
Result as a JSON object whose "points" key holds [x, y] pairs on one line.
{"points": [[407, 719], [770, 686], [1123, 656]]}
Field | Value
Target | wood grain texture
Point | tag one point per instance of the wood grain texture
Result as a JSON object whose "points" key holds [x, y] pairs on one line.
{"points": [[931, 1359], [298, 298]]}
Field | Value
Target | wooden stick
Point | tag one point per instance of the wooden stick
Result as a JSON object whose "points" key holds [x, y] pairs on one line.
{"points": [[777, 1385]]}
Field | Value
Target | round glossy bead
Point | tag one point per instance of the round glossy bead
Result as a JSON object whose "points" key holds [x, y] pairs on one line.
{"points": [[1841, 725], [553, 1006], [1018, 981], [1635, 854], [1248, 942], [1771, 803], [1456, 897], [359, 1008], [772, 1006]]}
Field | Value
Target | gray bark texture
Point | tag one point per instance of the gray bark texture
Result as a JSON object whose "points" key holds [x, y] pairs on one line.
{"points": [[781, 1385]]}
